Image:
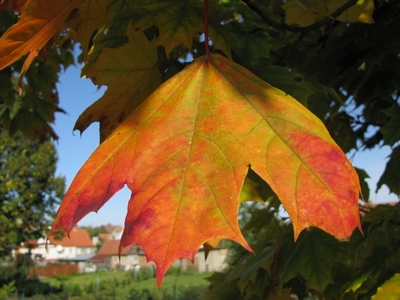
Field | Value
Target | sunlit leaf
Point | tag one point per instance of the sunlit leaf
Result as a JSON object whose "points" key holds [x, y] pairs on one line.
{"points": [[391, 175], [390, 290], [185, 152], [131, 74], [39, 21], [87, 18], [178, 22]]}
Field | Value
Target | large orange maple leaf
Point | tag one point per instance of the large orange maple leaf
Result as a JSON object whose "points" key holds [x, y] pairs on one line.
{"points": [[185, 152]]}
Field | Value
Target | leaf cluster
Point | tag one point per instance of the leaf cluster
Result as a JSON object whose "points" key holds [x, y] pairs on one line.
{"points": [[29, 104], [317, 265]]}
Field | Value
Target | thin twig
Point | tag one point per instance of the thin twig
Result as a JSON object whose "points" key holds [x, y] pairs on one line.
{"points": [[207, 48], [284, 26]]}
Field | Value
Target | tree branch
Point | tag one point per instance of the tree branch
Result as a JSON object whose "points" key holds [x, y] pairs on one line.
{"points": [[284, 26]]}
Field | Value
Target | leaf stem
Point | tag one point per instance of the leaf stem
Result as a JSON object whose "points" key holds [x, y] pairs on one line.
{"points": [[207, 48]]}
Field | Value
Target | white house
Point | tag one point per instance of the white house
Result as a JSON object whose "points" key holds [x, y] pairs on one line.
{"points": [[78, 244]]}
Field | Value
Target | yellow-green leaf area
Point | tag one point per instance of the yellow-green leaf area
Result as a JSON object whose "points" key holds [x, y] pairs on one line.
{"points": [[179, 21], [390, 290], [131, 74]]}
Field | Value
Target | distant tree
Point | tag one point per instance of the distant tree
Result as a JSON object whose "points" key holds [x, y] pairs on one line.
{"points": [[29, 190], [94, 230]]}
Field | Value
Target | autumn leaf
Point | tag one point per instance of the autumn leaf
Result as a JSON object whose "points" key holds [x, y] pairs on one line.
{"points": [[39, 21], [88, 16], [185, 152], [131, 74], [178, 22]]}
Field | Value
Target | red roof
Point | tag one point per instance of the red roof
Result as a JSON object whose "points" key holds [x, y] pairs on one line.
{"points": [[110, 247], [104, 236], [110, 228], [78, 238]]}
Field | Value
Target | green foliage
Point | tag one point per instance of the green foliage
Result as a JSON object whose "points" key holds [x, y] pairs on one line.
{"points": [[192, 292], [7, 289], [174, 270], [90, 288], [316, 264], [144, 274], [144, 294], [94, 230], [29, 190], [76, 290], [32, 112]]}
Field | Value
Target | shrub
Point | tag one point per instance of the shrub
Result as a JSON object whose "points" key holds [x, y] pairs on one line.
{"points": [[76, 290], [90, 288], [144, 294], [144, 274], [127, 278], [174, 270], [103, 285], [195, 292]]}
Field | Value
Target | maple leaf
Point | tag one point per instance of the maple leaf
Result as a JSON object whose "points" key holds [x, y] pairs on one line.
{"points": [[178, 22], [87, 18], [131, 74], [39, 21], [185, 152]]}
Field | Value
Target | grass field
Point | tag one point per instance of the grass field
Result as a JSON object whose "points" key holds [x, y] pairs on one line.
{"points": [[119, 285]]}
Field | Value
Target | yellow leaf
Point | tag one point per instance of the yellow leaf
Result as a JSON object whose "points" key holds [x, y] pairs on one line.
{"points": [[178, 22], [131, 74], [89, 16]]}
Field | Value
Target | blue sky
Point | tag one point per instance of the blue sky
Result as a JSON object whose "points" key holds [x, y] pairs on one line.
{"points": [[76, 94]]}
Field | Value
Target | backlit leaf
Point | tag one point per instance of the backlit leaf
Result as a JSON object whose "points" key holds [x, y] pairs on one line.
{"points": [[87, 18], [390, 131], [390, 290], [39, 21], [131, 74], [178, 22], [391, 175], [185, 152]]}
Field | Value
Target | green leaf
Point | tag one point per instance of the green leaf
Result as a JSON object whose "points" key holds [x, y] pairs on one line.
{"points": [[222, 288], [391, 175], [363, 175], [390, 131], [295, 84], [312, 258], [247, 270]]}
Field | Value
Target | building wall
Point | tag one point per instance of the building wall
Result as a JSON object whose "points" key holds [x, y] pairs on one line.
{"points": [[56, 252], [215, 261], [126, 260]]}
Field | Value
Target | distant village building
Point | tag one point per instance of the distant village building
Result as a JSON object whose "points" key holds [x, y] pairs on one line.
{"points": [[81, 250], [77, 248], [108, 257]]}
